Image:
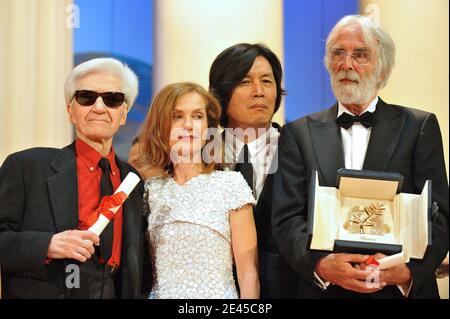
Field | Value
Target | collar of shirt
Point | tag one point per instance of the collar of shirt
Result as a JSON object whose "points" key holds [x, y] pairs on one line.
{"points": [[355, 140], [372, 107], [261, 154], [90, 157], [88, 178], [254, 147]]}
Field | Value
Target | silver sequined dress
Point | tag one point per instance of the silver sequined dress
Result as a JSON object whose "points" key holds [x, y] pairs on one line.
{"points": [[189, 232]]}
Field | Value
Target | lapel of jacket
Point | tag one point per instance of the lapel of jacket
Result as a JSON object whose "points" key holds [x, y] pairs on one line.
{"points": [[268, 177], [131, 231], [383, 137], [326, 143], [63, 189], [263, 199], [268, 180], [128, 221]]}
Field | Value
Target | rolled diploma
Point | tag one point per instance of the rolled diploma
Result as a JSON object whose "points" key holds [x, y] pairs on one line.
{"points": [[393, 260], [127, 186]]}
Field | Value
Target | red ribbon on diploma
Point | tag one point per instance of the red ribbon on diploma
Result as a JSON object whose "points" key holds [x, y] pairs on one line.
{"points": [[372, 261], [106, 204]]}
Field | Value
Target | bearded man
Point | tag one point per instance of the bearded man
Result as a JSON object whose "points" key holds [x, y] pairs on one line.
{"points": [[360, 131]]}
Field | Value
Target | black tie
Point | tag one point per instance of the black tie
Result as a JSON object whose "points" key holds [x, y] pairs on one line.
{"points": [[106, 188], [345, 120], [244, 166]]}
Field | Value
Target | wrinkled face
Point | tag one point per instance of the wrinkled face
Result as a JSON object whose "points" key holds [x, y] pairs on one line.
{"points": [[252, 102], [353, 83], [188, 128], [97, 122]]}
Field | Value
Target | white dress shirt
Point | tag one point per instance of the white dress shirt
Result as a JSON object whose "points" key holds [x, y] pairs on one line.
{"points": [[356, 139], [261, 155]]}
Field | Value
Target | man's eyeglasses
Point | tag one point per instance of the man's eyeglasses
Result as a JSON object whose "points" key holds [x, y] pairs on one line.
{"points": [[361, 56], [110, 99]]}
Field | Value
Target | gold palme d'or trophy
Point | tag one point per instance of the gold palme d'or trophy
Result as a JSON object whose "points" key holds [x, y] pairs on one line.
{"points": [[368, 220]]}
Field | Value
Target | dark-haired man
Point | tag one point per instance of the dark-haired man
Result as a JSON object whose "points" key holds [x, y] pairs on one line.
{"points": [[246, 78]]}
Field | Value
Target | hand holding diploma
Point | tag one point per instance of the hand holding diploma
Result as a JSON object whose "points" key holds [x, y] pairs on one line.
{"points": [[78, 244], [72, 244]]}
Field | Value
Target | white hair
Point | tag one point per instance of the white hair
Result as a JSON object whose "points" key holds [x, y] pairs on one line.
{"points": [[375, 37], [110, 66]]}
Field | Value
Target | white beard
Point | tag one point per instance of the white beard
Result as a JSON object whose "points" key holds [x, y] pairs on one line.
{"points": [[354, 93]]}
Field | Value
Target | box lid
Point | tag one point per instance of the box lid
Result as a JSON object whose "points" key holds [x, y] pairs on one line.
{"points": [[365, 183]]}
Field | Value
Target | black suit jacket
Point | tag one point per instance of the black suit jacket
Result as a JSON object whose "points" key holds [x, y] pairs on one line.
{"points": [[277, 278], [404, 140], [39, 197]]}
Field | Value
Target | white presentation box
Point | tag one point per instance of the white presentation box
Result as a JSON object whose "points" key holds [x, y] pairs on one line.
{"points": [[367, 214]]}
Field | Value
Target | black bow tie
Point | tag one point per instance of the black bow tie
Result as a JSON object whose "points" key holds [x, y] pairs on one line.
{"points": [[346, 120]]}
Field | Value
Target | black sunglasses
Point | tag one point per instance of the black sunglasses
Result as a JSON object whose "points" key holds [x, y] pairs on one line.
{"points": [[111, 99]]}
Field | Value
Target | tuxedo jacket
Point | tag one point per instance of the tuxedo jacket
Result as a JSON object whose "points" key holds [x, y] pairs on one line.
{"points": [[404, 140], [39, 198]]}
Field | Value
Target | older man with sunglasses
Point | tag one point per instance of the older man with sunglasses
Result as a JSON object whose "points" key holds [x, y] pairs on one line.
{"points": [[47, 193]]}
